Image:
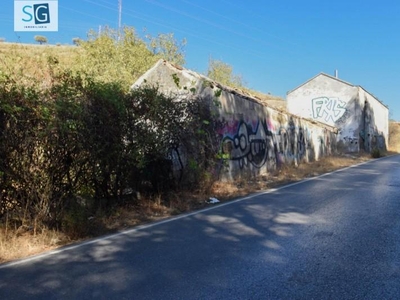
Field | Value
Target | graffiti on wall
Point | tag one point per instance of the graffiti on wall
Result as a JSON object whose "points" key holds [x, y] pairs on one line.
{"points": [[253, 143], [351, 140], [292, 141], [328, 110], [350, 143], [250, 144]]}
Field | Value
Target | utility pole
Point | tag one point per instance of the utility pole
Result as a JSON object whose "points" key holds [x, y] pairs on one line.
{"points": [[119, 18], [119, 14]]}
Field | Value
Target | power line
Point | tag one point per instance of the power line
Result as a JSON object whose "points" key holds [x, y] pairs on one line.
{"points": [[237, 22], [184, 14], [109, 6], [291, 51], [149, 19], [86, 14], [246, 36]]}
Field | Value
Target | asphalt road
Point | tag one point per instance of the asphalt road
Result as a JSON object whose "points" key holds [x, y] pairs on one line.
{"points": [[332, 237]]}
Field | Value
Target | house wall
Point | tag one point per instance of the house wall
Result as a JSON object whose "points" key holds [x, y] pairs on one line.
{"points": [[256, 138], [375, 131], [337, 103]]}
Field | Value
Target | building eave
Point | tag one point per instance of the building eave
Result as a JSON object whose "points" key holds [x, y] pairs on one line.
{"points": [[339, 80], [320, 74], [373, 96]]}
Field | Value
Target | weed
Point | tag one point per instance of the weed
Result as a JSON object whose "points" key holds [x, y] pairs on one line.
{"points": [[76, 222], [376, 153]]}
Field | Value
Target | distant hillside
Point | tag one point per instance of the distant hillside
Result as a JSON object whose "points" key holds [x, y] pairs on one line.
{"points": [[274, 101], [394, 136], [31, 62], [35, 50], [267, 99]]}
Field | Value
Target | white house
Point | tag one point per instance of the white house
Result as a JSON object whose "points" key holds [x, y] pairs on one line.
{"points": [[361, 118]]}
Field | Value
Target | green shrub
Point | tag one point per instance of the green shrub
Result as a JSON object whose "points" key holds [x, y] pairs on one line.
{"points": [[76, 221], [376, 153]]}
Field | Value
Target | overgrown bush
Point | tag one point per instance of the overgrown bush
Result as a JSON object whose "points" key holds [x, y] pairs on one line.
{"points": [[108, 56], [70, 128], [87, 139]]}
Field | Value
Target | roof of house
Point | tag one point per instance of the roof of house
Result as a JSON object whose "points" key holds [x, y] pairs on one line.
{"points": [[239, 92], [257, 97], [321, 74], [339, 80]]}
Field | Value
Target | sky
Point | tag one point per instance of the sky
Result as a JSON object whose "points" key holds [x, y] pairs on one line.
{"points": [[274, 45]]}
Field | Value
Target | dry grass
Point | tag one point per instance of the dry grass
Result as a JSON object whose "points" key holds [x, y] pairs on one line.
{"points": [[21, 241], [285, 175], [29, 64]]}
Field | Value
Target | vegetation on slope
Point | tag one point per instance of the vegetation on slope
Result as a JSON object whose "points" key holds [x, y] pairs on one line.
{"points": [[223, 73], [79, 155], [75, 141], [394, 136]]}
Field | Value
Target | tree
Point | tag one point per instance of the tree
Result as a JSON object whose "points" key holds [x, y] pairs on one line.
{"points": [[40, 39], [168, 48], [77, 41], [114, 56], [121, 55], [223, 73]]}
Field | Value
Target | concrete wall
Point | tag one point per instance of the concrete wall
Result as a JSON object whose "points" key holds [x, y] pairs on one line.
{"points": [[259, 139], [256, 138], [340, 104]]}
